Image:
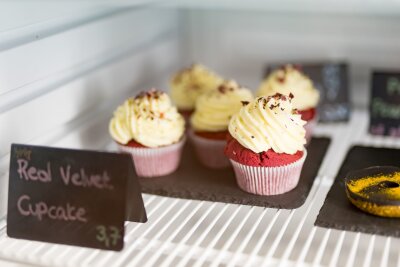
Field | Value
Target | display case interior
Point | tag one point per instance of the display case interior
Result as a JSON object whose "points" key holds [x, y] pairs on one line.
{"points": [[64, 68]]}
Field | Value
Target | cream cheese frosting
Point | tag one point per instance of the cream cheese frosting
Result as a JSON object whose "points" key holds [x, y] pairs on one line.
{"points": [[214, 109], [190, 83], [269, 123], [289, 79], [149, 119]]}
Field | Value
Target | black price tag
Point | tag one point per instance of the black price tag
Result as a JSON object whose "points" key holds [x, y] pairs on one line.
{"points": [[385, 104], [331, 79], [72, 197]]}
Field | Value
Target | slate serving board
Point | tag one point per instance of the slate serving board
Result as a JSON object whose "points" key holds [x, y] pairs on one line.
{"points": [[338, 213], [193, 181]]}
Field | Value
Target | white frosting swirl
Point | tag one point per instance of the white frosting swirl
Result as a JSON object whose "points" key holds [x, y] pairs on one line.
{"points": [[190, 83], [288, 80], [269, 123], [214, 109], [148, 119]]}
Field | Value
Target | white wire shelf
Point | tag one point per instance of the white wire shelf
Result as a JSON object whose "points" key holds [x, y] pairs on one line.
{"points": [[200, 233]]}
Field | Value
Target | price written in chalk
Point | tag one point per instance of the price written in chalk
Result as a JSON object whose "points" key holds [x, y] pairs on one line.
{"points": [[109, 236]]}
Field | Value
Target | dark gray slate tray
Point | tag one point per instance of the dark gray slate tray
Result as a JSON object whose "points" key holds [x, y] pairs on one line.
{"points": [[193, 181], [338, 213]]}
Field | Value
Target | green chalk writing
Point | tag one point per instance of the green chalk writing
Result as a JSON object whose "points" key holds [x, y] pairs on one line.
{"points": [[385, 110], [393, 86], [109, 236]]}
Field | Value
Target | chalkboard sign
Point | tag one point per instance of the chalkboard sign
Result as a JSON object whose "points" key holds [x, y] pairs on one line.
{"points": [[385, 104], [331, 79], [72, 197]]}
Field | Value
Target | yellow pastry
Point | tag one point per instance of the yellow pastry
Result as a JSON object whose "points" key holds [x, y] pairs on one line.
{"points": [[375, 190]]}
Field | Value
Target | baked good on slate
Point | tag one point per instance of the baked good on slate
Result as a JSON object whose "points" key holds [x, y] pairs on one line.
{"points": [[289, 79], [209, 122], [190, 83], [149, 128], [266, 145], [375, 190]]}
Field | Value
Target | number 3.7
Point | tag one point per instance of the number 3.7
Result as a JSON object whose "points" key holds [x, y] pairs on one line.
{"points": [[108, 235]]}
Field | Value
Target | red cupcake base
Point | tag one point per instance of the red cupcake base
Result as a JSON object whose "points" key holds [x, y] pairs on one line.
{"points": [[235, 151], [210, 149]]}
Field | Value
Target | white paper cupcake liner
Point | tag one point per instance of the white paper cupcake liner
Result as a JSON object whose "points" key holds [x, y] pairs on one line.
{"points": [[209, 152], [268, 180], [309, 127], [153, 162]]}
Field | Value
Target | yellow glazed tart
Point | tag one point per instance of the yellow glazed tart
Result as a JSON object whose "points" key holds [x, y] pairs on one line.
{"points": [[375, 190]]}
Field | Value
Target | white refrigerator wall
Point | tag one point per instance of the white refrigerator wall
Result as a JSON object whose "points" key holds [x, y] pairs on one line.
{"points": [[240, 44]]}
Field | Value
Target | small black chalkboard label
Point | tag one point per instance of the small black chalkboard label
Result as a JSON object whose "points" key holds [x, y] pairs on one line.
{"points": [[385, 104], [73, 197], [331, 79]]}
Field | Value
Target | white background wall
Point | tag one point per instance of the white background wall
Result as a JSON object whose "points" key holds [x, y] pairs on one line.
{"points": [[240, 44]]}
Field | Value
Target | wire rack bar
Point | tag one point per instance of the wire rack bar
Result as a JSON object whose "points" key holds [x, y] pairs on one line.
{"points": [[245, 242], [172, 255], [202, 237], [296, 234], [385, 254], [336, 252], [370, 249], [261, 241], [350, 260], [217, 237], [140, 255]]}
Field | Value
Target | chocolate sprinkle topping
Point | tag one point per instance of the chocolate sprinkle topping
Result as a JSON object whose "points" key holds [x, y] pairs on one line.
{"points": [[225, 87], [281, 79], [152, 93], [245, 103], [298, 67]]}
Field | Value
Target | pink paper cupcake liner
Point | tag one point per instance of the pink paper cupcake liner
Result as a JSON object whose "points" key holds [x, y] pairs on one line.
{"points": [[268, 180], [153, 162], [309, 127], [209, 152]]}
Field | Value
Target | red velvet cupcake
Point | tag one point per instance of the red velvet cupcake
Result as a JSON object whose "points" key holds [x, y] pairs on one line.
{"points": [[290, 79], [209, 148], [266, 146], [310, 116], [210, 122], [188, 84], [150, 129]]}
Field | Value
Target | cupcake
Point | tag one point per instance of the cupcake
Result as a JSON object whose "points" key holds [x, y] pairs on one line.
{"points": [[152, 131], [290, 79], [189, 84], [209, 122], [266, 145]]}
